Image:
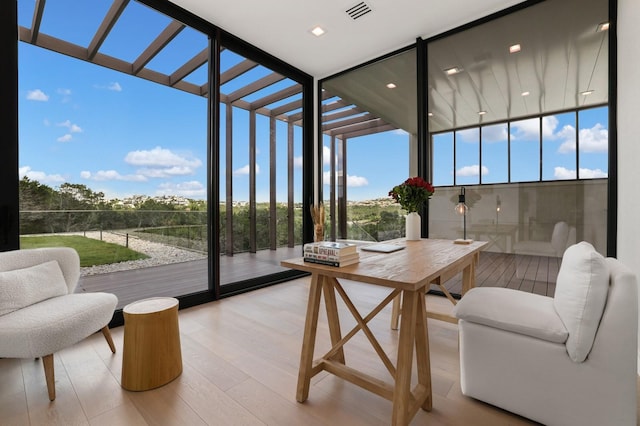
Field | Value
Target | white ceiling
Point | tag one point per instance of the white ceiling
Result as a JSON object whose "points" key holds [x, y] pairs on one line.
{"points": [[562, 55], [282, 27]]}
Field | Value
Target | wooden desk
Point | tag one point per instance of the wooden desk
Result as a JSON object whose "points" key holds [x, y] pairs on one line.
{"points": [[466, 264], [406, 272]]}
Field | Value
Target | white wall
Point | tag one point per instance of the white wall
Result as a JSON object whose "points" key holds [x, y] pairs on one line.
{"points": [[629, 135]]}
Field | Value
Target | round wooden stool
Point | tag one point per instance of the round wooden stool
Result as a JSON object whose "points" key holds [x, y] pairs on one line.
{"points": [[151, 356]]}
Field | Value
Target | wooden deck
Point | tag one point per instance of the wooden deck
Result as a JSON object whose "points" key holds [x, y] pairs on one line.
{"points": [[185, 277], [527, 273]]}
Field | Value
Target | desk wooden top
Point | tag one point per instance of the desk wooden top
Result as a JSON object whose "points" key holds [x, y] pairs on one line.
{"points": [[412, 268]]}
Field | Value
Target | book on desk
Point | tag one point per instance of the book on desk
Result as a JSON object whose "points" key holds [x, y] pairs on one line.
{"points": [[331, 253]]}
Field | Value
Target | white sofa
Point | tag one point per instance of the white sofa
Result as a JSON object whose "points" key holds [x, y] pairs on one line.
{"points": [[39, 311], [566, 360]]}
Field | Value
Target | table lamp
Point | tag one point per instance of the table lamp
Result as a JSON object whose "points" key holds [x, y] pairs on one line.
{"points": [[461, 208]]}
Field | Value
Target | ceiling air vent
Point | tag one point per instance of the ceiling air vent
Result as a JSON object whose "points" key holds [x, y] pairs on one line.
{"points": [[358, 10]]}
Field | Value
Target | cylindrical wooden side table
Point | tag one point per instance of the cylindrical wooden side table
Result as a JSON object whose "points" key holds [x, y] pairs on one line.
{"points": [[151, 356]]}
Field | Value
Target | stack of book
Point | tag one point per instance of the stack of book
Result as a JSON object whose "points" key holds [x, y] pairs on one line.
{"points": [[331, 253]]}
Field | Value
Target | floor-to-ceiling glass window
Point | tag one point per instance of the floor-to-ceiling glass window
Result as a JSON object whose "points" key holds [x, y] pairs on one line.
{"points": [[537, 103], [260, 170], [113, 144], [369, 136]]}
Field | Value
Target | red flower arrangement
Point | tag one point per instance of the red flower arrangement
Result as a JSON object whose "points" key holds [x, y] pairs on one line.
{"points": [[412, 193]]}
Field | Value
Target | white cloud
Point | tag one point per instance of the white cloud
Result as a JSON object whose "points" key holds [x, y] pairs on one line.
{"points": [[592, 173], [400, 132], [595, 139], [564, 173], [103, 175], [352, 181], [530, 129], [473, 170], [64, 92], [167, 172], [161, 162], [326, 155], [297, 162], [244, 170], [37, 95], [114, 86], [73, 128], [189, 189], [65, 138], [41, 177], [497, 133], [468, 135], [355, 181]]}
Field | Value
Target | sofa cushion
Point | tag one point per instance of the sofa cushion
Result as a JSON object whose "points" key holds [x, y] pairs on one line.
{"points": [[23, 287], [512, 310], [580, 297]]}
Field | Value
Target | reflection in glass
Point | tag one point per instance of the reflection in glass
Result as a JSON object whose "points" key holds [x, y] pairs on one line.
{"points": [[468, 167], [525, 150], [495, 153], [371, 126], [442, 159], [559, 146], [593, 140]]}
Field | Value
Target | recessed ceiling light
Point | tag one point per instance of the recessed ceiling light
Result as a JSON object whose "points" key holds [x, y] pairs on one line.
{"points": [[514, 48], [391, 86], [430, 114], [525, 93], [602, 26], [586, 92], [482, 112], [317, 31], [453, 70]]}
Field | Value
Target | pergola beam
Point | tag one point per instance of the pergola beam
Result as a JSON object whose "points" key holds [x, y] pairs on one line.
{"points": [[348, 122], [277, 96], [369, 131], [165, 37], [236, 71], [191, 65], [37, 20], [255, 86], [107, 24], [341, 114], [291, 106]]}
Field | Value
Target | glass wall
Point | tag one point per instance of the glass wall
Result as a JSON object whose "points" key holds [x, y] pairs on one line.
{"points": [[369, 128], [260, 169], [116, 141], [527, 112], [112, 163], [528, 211]]}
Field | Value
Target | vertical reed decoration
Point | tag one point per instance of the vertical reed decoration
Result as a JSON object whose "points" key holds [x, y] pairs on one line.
{"points": [[317, 214]]}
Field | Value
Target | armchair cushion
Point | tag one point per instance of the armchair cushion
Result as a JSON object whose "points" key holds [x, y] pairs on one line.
{"points": [[512, 310], [20, 288], [580, 297]]}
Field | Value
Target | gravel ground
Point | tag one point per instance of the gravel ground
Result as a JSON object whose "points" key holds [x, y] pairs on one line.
{"points": [[159, 254]]}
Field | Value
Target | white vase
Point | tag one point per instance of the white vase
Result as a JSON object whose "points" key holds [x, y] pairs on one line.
{"points": [[412, 226]]}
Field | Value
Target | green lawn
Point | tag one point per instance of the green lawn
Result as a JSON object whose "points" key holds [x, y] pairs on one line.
{"points": [[92, 252]]}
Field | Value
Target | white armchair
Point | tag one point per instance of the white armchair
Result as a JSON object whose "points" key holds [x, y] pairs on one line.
{"points": [[562, 237], [566, 360], [39, 312]]}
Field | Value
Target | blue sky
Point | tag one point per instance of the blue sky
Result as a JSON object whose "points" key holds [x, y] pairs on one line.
{"points": [[123, 135]]}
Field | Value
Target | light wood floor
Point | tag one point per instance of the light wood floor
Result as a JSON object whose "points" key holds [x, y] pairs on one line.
{"points": [[241, 357]]}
